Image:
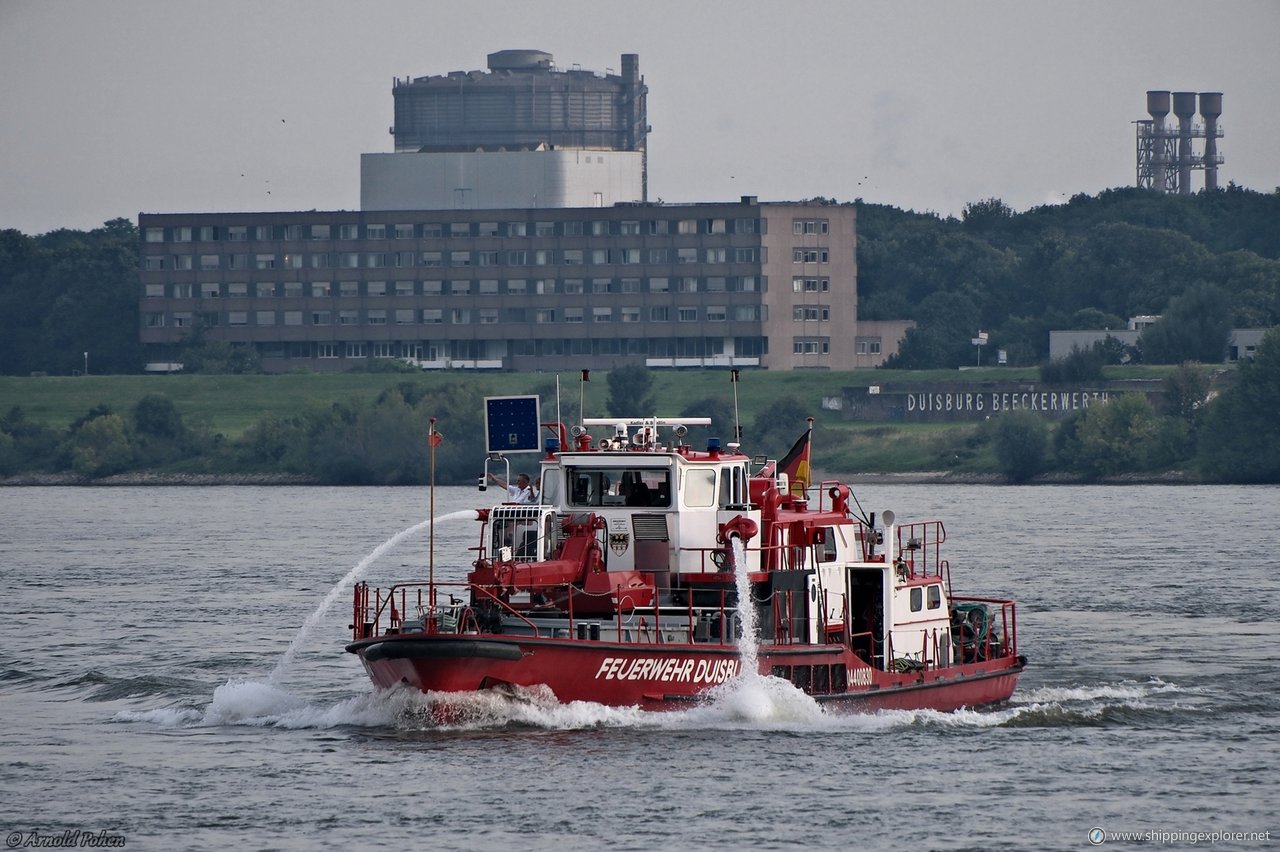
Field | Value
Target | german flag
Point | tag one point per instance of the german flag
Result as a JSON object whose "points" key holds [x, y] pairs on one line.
{"points": [[795, 464]]}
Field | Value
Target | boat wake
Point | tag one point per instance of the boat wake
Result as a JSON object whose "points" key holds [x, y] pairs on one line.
{"points": [[759, 703]]}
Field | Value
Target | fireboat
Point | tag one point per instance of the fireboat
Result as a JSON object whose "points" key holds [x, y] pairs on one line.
{"points": [[647, 572]]}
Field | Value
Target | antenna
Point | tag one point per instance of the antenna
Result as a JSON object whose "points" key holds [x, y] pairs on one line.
{"points": [[737, 427]]}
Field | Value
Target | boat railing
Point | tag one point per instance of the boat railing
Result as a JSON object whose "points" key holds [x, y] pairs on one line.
{"points": [[417, 607], [920, 545], [1002, 614]]}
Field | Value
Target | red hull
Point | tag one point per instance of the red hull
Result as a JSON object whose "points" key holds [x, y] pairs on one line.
{"points": [[665, 677]]}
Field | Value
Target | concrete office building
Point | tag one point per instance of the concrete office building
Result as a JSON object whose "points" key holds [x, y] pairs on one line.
{"points": [[749, 284], [509, 230]]}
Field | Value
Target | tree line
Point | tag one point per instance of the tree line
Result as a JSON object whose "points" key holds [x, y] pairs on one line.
{"points": [[1232, 436]]}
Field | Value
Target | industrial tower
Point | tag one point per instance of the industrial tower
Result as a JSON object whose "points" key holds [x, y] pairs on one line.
{"points": [[1166, 154]]}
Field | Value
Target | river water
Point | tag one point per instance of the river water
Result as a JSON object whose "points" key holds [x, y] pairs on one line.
{"points": [[157, 686]]}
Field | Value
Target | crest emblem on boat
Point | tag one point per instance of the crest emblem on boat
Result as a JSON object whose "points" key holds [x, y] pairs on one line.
{"points": [[618, 542]]}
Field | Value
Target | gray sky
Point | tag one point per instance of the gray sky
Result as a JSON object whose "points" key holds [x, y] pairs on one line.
{"points": [[111, 108]]}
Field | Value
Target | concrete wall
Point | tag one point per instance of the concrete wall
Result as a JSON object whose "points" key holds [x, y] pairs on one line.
{"points": [[492, 180]]}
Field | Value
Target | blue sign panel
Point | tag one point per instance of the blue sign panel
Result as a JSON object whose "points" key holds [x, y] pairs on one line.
{"points": [[511, 424]]}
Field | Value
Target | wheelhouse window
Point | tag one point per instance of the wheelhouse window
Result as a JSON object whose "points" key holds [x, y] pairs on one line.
{"points": [[619, 486]]}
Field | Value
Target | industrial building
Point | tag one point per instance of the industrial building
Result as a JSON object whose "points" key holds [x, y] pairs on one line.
{"points": [[511, 230], [1166, 154]]}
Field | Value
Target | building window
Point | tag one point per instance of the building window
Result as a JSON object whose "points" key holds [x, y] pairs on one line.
{"points": [[602, 314], [810, 285], [574, 315], [155, 235], [488, 316], [808, 255], [544, 257], [432, 316], [348, 317], [355, 350], [460, 316], [154, 320], [375, 232], [715, 313], [460, 288], [629, 228], [630, 314], [237, 234], [432, 230], [384, 350], [320, 260], [375, 288], [544, 315], [687, 314], [572, 257], [572, 287], [432, 288], [153, 263], [348, 232], [687, 226], [517, 229], [404, 316], [687, 285], [687, 255], [348, 289], [488, 229], [517, 287], [404, 288], [377, 316], [402, 259], [320, 289], [659, 313], [264, 289], [182, 261], [404, 232], [459, 258], [326, 350], [264, 261], [321, 232], [264, 318], [182, 291], [460, 229], [182, 235], [810, 313], [293, 317], [375, 260], [155, 291], [746, 255], [320, 318], [486, 258], [809, 226], [432, 258], [519, 257], [293, 289], [811, 346], [659, 285], [209, 291]]}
